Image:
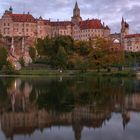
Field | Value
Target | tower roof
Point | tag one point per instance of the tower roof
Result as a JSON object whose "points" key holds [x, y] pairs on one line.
{"points": [[11, 9], [76, 5], [122, 20]]}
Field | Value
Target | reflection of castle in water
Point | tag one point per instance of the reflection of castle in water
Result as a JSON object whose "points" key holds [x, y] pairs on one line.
{"points": [[28, 122], [19, 94], [25, 117]]}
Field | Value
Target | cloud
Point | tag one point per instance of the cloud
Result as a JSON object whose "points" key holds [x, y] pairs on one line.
{"points": [[110, 11]]}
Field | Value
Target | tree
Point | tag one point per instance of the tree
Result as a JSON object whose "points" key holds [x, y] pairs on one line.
{"points": [[21, 61], [32, 52], [132, 58], [104, 54], [82, 65], [61, 58], [82, 47], [65, 41], [9, 68], [97, 53], [41, 46], [3, 57]]}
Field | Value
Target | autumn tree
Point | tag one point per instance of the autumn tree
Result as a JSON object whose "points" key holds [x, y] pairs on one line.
{"points": [[103, 54]]}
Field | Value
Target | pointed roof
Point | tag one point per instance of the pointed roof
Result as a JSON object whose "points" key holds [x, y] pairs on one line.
{"points": [[76, 5], [10, 9], [122, 20], [91, 24], [125, 23], [23, 18]]}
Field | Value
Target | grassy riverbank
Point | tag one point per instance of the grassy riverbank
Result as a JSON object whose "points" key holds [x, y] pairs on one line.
{"points": [[45, 72]]}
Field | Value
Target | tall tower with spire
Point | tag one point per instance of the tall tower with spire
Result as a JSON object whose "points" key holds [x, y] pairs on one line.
{"points": [[76, 14], [124, 27], [124, 30]]}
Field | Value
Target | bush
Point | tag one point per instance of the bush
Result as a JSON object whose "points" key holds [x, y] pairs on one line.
{"points": [[32, 53], [9, 68], [21, 61], [41, 60], [3, 57]]}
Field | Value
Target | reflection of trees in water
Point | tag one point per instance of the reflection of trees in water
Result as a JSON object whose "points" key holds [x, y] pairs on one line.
{"points": [[63, 96], [4, 100], [78, 102]]}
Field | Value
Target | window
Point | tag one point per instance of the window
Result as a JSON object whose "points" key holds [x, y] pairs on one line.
{"points": [[129, 43], [137, 40]]}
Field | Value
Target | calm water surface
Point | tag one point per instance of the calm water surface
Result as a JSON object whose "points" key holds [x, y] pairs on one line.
{"points": [[69, 109]]}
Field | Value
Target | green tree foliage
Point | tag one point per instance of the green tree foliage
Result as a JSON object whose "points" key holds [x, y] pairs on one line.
{"points": [[64, 52], [50, 48], [132, 58], [32, 52], [65, 41], [40, 46], [21, 61], [61, 58], [9, 68], [82, 65], [3, 57], [82, 47]]}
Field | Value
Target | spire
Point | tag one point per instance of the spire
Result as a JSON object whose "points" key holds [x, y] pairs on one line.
{"points": [[122, 20], [76, 5], [76, 14], [11, 9]]}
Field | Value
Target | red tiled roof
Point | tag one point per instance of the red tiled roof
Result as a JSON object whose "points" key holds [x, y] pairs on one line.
{"points": [[91, 24], [23, 18], [132, 36]]}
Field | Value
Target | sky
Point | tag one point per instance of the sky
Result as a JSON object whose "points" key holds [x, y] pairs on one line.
{"points": [[109, 11]]}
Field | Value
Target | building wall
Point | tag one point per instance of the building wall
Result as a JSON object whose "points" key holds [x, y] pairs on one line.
{"points": [[6, 25], [132, 44], [87, 34], [39, 28]]}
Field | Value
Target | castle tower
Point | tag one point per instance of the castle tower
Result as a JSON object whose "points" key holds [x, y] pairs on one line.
{"points": [[124, 29], [11, 9], [76, 14]]}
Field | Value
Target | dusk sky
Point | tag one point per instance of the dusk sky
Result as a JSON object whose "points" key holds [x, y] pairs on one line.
{"points": [[109, 11]]}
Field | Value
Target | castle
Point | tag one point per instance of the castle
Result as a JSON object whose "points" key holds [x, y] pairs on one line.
{"points": [[129, 42], [24, 30], [25, 26]]}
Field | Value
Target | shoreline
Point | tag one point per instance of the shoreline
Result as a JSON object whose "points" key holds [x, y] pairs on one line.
{"points": [[70, 73]]}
